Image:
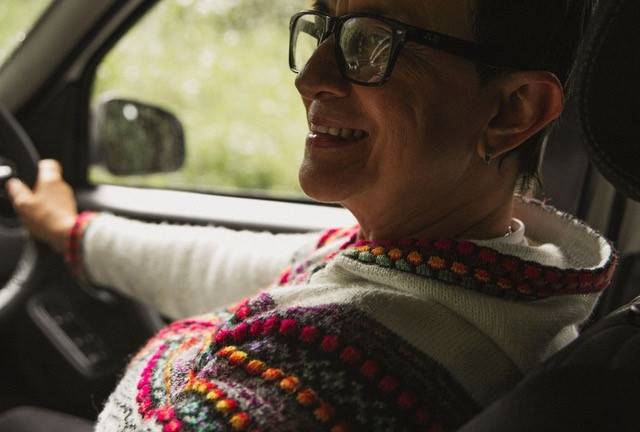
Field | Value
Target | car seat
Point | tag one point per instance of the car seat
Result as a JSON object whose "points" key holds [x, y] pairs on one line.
{"points": [[594, 383]]}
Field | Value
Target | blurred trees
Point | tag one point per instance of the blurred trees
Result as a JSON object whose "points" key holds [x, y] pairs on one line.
{"points": [[221, 66]]}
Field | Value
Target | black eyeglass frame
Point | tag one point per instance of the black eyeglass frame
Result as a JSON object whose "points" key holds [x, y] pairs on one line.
{"points": [[401, 34]]}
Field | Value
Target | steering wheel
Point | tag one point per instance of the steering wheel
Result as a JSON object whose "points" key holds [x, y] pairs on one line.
{"points": [[18, 158]]}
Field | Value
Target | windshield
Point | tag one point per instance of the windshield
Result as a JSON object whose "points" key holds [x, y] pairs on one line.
{"points": [[17, 18]]}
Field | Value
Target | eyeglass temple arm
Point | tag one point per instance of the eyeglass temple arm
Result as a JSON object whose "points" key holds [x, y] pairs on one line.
{"points": [[486, 55]]}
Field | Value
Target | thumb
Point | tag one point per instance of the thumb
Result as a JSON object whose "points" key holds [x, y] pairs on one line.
{"points": [[18, 192]]}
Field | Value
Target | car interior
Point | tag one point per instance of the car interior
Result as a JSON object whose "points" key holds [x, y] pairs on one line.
{"points": [[65, 342]]}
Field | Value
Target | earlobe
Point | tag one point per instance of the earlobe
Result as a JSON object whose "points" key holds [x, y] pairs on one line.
{"points": [[527, 103]]}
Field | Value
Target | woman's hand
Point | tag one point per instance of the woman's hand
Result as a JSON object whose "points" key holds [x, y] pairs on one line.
{"points": [[49, 211]]}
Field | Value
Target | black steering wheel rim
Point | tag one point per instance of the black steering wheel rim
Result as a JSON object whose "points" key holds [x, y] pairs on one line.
{"points": [[18, 158]]}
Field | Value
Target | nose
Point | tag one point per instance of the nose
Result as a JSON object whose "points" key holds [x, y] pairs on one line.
{"points": [[321, 77]]}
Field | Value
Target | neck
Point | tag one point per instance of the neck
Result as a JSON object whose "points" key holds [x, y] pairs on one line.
{"points": [[479, 218]]}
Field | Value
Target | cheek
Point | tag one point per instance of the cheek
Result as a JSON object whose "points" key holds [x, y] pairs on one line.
{"points": [[405, 147], [414, 122], [440, 99], [425, 124]]}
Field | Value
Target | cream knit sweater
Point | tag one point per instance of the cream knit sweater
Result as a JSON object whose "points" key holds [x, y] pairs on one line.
{"points": [[453, 324]]}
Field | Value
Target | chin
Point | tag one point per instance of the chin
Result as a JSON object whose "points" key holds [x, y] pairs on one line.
{"points": [[326, 187], [322, 192]]}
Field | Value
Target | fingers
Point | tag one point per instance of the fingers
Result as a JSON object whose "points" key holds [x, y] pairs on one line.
{"points": [[49, 170], [19, 193], [23, 198]]}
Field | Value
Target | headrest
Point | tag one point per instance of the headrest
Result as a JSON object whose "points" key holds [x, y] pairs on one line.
{"points": [[609, 93]]}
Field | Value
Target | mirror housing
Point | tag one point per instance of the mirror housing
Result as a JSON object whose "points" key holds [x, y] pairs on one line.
{"points": [[135, 138]]}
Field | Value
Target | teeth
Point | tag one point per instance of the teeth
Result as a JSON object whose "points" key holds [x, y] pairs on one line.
{"points": [[320, 129], [344, 133]]}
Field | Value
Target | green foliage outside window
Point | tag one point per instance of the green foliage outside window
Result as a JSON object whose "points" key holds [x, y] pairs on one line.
{"points": [[221, 66]]}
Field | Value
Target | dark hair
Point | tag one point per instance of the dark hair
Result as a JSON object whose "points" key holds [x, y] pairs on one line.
{"points": [[547, 33]]}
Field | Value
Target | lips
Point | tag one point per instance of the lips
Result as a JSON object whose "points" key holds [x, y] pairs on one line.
{"points": [[344, 133], [331, 134]]}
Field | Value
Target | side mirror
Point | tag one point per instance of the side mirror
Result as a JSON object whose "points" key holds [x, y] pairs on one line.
{"points": [[134, 138]]}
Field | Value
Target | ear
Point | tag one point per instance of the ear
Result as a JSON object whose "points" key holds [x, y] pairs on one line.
{"points": [[527, 102]]}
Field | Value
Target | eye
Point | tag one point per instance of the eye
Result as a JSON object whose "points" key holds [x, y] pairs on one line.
{"points": [[366, 39], [381, 50]]}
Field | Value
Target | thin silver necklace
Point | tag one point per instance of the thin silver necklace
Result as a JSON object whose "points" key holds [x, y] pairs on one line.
{"points": [[509, 232]]}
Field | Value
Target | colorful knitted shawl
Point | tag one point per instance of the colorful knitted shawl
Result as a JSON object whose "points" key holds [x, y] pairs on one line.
{"points": [[281, 361]]}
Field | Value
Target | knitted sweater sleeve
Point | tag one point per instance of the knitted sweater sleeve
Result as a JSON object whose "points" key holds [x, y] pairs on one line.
{"points": [[185, 270]]}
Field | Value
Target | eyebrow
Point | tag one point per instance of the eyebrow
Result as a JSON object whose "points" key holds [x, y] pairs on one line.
{"points": [[320, 6], [324, 6]]}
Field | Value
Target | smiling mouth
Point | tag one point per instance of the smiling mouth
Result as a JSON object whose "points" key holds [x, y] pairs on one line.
{"points": [[343, 133]]}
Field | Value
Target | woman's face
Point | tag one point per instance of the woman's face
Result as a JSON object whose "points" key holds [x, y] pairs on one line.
{"points": [[422, 127]]}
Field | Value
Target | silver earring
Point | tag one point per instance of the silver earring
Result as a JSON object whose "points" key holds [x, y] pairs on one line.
{"points": [[488, 156]]}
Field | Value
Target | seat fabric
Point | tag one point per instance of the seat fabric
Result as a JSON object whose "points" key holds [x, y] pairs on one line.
{"points": [[32, 419], [591, 385]]}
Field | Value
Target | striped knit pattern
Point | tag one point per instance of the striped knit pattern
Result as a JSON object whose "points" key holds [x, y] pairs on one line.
{"points": [[325, 368], [415, 335]]}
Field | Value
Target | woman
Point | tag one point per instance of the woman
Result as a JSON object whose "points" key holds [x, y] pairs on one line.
{"points": [[448, 291]]}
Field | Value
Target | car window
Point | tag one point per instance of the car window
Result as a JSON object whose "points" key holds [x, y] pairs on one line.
{"points": [[17, 17], [221, 68]]}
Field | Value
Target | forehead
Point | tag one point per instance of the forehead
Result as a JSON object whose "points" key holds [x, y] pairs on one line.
{"points": [[447, 16]]}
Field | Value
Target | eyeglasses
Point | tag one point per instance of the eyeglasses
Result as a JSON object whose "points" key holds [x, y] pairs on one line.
{"points": [[367, 46]]}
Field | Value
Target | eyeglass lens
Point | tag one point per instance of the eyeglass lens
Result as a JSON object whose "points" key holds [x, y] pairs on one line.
{"points": [[365, 45], [305, 39]]}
